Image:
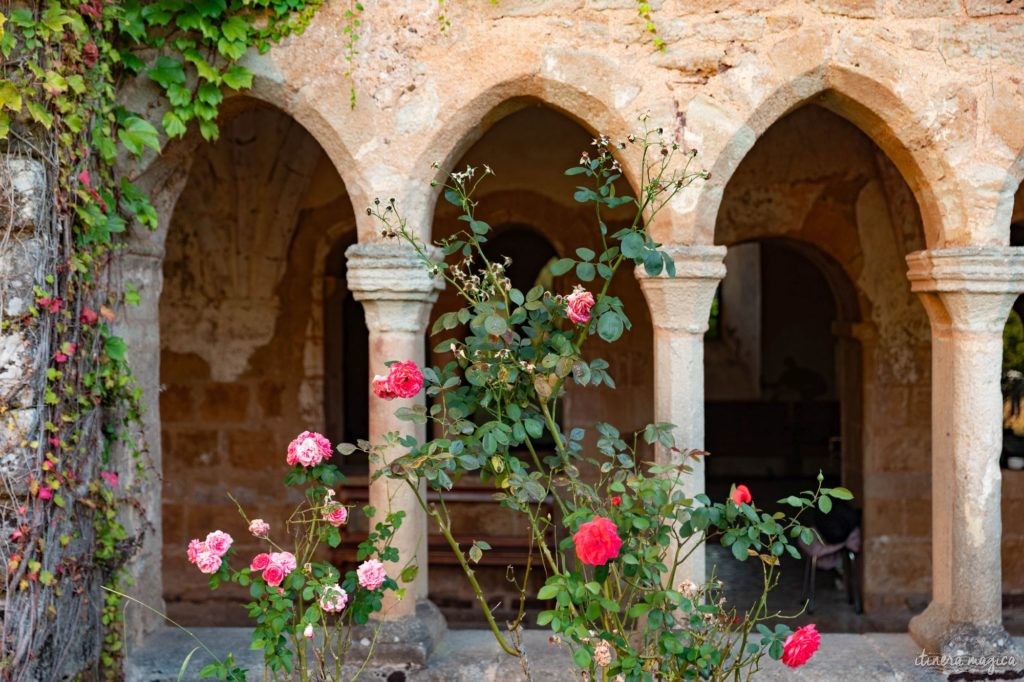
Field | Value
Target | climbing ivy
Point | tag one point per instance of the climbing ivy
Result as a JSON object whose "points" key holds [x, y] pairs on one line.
{"points": [[65, 68]]}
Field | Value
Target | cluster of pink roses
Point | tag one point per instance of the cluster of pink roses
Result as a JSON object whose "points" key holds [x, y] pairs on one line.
{"points": [[308, 449], [275, 566], [208, 554], [404, 380]]}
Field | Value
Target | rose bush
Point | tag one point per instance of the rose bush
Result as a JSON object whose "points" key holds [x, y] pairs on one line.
{"points": [[289, 604], [625, 525]]}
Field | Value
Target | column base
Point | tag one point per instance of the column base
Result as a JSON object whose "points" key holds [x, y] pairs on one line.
{"points": [[964, 647], [404, 642]]}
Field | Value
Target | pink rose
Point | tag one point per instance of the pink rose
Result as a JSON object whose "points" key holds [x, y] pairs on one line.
{"points": [[274, 574], [336, 515], [208, 562], [285, 560], [45, 493], [308, 449], [219, 542], [308, 632], [405, 379], [259, 562], [194, 548], [371, 574], [382, 389], [110, 477], [578, 305], [800, 646], [259, 528], [597, 541], [334, 599]]}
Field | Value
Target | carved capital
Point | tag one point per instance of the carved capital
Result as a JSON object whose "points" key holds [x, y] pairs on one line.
{"points": [[683, 303], [968, 289], [393, 284]]}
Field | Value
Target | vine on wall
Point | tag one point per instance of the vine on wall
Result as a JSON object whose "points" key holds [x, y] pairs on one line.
{"points": [[75, 403], [64, 67]]}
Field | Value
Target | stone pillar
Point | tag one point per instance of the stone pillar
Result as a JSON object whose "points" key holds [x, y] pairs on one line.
{"points": [[968, 293], [394, 287], [680, 309]]}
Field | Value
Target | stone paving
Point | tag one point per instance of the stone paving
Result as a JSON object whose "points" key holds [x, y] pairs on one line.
{"points": [[473, 656]]}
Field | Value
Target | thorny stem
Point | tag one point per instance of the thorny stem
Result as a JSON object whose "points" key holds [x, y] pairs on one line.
{"points": [[445, 529]]}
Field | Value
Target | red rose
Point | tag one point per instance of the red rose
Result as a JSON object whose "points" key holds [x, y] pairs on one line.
{"points": [[597, 541], [616, 501], [381, 388], [405, 379], [741, 495], [259, 562], [274, 574], [800, 646]]}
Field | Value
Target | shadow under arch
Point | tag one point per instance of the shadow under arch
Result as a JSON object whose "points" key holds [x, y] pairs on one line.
{"points": [[875, 110], [471, 121], [236, 335]]}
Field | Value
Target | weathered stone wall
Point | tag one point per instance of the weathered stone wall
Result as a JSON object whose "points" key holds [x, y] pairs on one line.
{"points": [[932, 86]]}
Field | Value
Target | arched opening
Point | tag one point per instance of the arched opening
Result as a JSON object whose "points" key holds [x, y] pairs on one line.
{"points": [[1011, 459], [346, 351], [823, 360], [530, 203], [242, 335]]}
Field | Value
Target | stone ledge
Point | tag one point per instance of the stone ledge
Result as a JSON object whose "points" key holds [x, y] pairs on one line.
{"points": [[473, 656]]}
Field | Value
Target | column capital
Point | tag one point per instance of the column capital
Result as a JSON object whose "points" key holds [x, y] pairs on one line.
{"points": [[683, 303], [970, 288], [980, 269], [393, 284]]}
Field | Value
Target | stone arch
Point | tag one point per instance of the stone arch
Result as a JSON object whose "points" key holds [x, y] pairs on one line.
{"points": [[265, 91], [476, 115], [864, 101]]}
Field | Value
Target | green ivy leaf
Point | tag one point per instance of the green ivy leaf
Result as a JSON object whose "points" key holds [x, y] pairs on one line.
{"points": [[238, 77], [179, 95], [173, 125], [39, 114], [115, 347], [167, 71], [235, 28], [137, 134], [9, 96]]}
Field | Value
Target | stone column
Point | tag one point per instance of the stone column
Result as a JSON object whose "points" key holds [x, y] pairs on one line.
{"points": [[397, 293], [680, 309], [968, 293]]}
